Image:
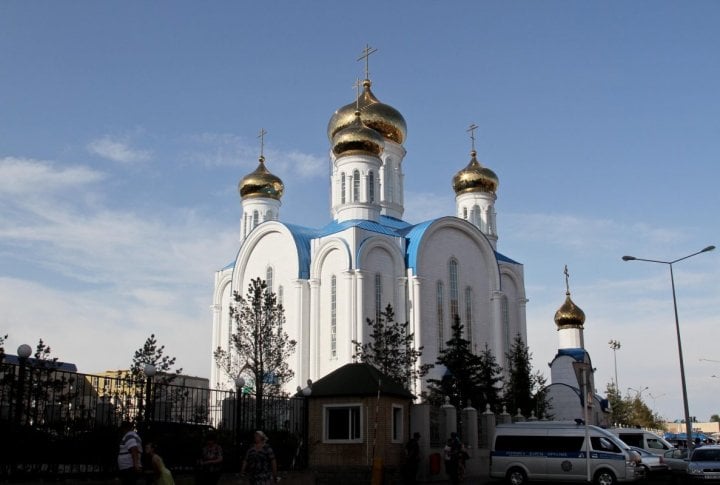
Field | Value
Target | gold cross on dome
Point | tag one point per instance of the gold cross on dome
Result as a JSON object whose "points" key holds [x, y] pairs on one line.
{"points": [[472, 129], [366, 55], [262, 141], [567, 280], [357, 84]]}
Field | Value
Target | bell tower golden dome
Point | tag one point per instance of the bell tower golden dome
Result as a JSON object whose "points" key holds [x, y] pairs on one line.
{"points": [[261, 183], [569, 315]]}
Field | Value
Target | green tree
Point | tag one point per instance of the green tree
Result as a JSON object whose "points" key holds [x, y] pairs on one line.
{"points": [[260, 345], [524, 389], [491, 378], [3, 338], [631, 411], [619, 411], [391, 349], [462, 381], [151, 353], [715, 418]]}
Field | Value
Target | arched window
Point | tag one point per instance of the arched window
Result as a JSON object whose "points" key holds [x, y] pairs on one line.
{"points": [[378, 296], [440, 302], [468, 314], [333, 317], [356, 185], [453, 271], [465, 213], [342, 188], [280, 295], [269, 278], [371, 187], [256, 219]]}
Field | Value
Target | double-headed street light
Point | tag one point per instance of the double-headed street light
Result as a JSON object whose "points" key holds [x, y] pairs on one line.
{"points": [[688, 424]]}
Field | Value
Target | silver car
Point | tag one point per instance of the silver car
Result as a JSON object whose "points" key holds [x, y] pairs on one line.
{"points": [[704, 464], [651, 464]]}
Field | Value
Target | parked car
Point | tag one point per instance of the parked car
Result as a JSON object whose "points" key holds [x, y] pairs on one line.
{"points": [[651, 464], [677, 461], [643, 439], [704, 464]]}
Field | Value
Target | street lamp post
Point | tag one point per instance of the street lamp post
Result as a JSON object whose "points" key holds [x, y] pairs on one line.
{"points": [[615, 345], [239, 384], [638, 391], [149, 374], [23, 352], [688, 424]]}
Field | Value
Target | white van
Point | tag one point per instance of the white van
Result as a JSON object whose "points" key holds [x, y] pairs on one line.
{"points": [[556, 451], [643, 439]]}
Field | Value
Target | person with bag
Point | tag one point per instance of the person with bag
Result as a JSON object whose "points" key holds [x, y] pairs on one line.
{"points": [[412, 459]]}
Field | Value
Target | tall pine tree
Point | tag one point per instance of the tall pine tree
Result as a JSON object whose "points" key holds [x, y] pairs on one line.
{"points": [[524, 389], [391, 349]]}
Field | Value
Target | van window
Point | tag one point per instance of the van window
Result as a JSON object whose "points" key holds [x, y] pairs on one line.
{"points": [[564, 443], [656, 444], [632, 439], [520, 443], [603, 444]]}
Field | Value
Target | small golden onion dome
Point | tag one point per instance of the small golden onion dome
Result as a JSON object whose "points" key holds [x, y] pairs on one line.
{"points": [[357, 138], [261, 183], [569, 315], [381, 117], [475, 178]]}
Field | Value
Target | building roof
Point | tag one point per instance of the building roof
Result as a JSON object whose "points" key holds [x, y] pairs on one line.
{"points": [[359, 379]]}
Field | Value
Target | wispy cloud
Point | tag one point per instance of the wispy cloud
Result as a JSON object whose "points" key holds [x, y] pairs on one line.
{"points": [[117, 149], [224, 150], [20, 176]]}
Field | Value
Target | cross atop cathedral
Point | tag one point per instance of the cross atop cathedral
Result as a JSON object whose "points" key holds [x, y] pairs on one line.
{"points": [[262, 142], [471, 130], [357, 84], [567, 280], [366, 55]]}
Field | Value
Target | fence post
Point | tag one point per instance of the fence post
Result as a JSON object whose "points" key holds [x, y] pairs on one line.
{"points": [[449, 419], [518, 417], [505, 416], [487, 426], [470, 428]]}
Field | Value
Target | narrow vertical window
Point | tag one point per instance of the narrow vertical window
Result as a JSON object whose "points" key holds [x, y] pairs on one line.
{"points": [[378, 296], [371, 187], [256, 219], [453, 270], [342, 188], [390, 177], [280, 295], [468, 313], [269, 278], [440, 315], [465, 213], [333, 317], [356, 185], [506, 322]]}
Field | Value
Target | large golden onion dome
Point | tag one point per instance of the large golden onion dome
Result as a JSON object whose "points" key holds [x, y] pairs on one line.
{"points": [[475, 178], [569, 315], [357, 138], [261, 183], [381, 117]]}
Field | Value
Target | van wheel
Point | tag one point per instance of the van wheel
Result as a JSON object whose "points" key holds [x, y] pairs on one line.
{"points": [[516, 476], [605, 477]]}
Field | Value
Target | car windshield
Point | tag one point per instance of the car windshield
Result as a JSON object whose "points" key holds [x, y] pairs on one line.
{"points": [[706, 455]]}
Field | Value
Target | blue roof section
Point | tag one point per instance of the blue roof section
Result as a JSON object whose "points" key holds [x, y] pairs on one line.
{"points": [[231, 264], [335, 227], [577, 354], [414, 235], [505, 259], [388, 226], [302, 236]]}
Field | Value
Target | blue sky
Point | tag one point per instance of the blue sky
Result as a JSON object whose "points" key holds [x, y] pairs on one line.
{"points": [[126, 126]]}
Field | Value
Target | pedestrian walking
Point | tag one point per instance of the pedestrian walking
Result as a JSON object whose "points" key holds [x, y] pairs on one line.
{"points": [[260, 464], [211, 461], [129, 454], [412, 459], [160, 474]]}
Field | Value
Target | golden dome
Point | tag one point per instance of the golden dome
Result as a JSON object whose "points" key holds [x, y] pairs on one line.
{"points": [[569, 315], [381, 117], [357, 138], [475, 178], [261, 183]]}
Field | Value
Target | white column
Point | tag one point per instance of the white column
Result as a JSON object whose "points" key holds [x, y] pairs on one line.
{"points": [[349, 304], [358, 320], [303, 331], [496, 327], [314, 328], [401, 300]]}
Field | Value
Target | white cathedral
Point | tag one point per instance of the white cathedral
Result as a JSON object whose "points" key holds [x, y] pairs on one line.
{"points": [[331, 279]]}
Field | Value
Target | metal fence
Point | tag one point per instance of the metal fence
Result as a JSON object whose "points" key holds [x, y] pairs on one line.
{"points": [[58, 423]]}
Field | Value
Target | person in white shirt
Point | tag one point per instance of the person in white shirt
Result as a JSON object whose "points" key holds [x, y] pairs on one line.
{"points": [[129, 455]]}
